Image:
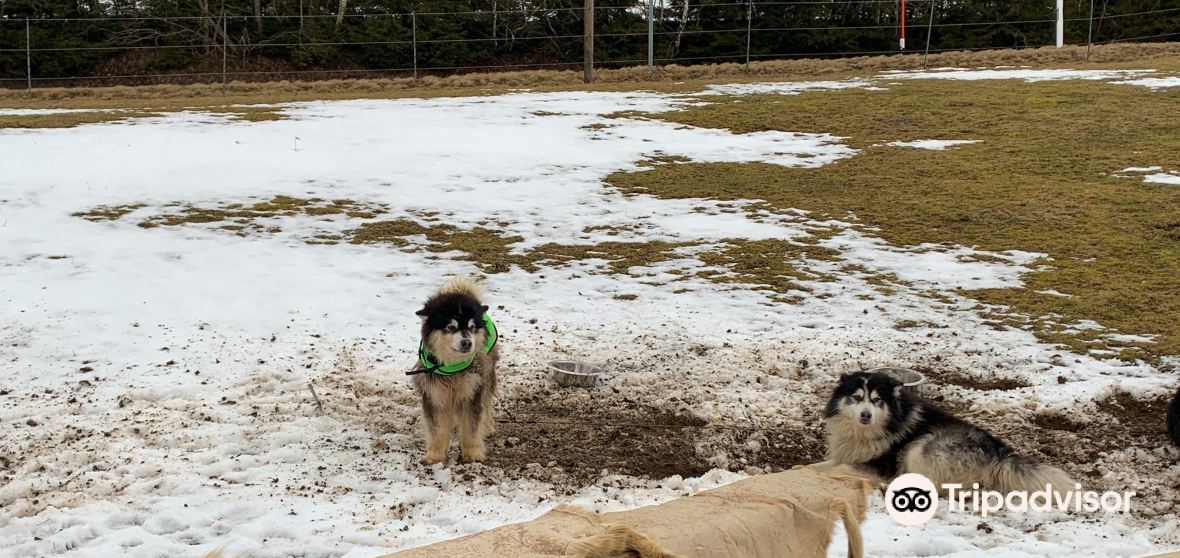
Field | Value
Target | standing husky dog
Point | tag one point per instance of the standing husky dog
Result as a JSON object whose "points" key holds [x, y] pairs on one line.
{"points": [[1174, 418], [874, 422], [456, 371]]}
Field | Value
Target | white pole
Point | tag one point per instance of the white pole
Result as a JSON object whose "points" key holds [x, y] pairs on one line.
{"points": [[1060, 23]]}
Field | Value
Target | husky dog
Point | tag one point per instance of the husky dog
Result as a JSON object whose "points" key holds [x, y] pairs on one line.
{"points": [[456, 371], [1174, 418], [875, 423]]}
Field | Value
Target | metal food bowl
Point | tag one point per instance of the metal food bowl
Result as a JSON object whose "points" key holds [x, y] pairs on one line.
{"points": [[574, 373], [908, 377]]}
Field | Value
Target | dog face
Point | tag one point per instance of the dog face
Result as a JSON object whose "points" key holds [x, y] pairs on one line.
{"points": [[452, 326], [866, 400]]}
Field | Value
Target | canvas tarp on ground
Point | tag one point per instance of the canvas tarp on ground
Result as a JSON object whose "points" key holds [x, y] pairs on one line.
{"points": [[788, 514]]}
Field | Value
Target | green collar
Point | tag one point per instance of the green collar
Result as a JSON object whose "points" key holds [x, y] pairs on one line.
{"points": [[431, 364]]}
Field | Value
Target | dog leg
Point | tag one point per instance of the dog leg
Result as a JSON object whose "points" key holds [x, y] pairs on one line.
{"points": [[438, 432], [471, 425]]}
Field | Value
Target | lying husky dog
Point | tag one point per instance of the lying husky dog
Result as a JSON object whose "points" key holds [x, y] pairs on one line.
{"points": [[456, 371], [1174, 418], [875, 423]]}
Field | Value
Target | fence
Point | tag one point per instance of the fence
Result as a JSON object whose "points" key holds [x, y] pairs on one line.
{"points": [[263, 46]]}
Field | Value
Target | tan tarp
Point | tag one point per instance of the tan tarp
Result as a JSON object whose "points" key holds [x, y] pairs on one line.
{"points": [[788, 514]]}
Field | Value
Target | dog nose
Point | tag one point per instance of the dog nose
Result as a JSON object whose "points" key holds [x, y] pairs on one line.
{"points": [[465, 345], [866, 417]]}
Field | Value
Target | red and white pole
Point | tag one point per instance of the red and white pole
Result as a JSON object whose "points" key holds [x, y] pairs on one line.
{"points": [[902, 18]]}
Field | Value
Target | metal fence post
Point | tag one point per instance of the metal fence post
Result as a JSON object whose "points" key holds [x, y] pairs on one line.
{"points": [[651, 37], [28, 56], [749, 26], [414, 40], [1090, 33], [929, 29], [224, 53]]}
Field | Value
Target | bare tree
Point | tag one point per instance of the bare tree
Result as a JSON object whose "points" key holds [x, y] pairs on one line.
{"points": [[340, 14], [680, 29], [258, 15]]}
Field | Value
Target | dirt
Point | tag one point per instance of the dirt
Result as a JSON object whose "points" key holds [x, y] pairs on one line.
{"points": [[970, 382], [582, 439]]}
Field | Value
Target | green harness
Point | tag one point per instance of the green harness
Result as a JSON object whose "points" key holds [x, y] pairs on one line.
{"points": [[431, 364]]}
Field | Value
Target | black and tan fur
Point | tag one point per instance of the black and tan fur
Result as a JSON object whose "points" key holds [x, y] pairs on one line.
{"points": [[452, 320], [876, 424]]}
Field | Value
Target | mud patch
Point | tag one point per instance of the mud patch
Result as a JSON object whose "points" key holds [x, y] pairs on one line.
{"points": [[586, 440], [980, 384], [576, 442]]}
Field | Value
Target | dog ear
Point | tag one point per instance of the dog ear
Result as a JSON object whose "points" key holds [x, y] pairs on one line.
{"points": [[422, 313], [483, 309]]}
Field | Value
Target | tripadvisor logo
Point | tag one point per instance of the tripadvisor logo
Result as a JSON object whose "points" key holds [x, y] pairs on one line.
{"points": [[912, 499]]}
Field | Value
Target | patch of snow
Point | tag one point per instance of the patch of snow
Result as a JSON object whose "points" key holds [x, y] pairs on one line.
{"points": [[1141, 169], [1163, 178], [932, 144], [785, 88], [1054, 292], [1154, 83], [1026, 75], [1171, 178]]}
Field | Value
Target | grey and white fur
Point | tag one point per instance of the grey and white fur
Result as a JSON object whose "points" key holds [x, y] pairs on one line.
{"points": [[877, 425], [454, 331]]}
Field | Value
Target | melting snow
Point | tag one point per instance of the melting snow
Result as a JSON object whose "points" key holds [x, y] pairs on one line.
{"points": [[158, 379], [932, 144]]}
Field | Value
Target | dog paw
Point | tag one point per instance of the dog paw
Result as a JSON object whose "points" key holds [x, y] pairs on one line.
{"points": [[472, 457], [432, 459]]}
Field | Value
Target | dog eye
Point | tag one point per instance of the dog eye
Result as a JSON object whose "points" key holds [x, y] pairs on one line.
{"points": [[452, 328], [876, 400], [857, 398]]}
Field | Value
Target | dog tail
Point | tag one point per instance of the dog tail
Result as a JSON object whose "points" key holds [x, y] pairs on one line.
{"points": [[1174, 418], [1016, 473], [463, 285]]}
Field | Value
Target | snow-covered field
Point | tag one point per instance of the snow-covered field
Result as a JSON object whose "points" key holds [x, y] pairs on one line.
{"points": [[156, 396]]}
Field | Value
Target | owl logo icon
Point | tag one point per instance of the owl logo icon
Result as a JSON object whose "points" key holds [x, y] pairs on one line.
{"points": [[911, 499]]}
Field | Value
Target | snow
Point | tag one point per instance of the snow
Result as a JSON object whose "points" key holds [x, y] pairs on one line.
{"points": [[1021, 74], [787, 88], [157, 379], [1156, 83], [1150, 175], [932, 144], [1163, 178]]}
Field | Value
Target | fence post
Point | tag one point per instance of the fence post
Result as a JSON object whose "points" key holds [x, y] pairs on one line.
{"points": [[1061, 23], [28, 56], [1090, 33], [224, 52], [414, 40], [749, 25], [901, 17], [929, 29], [588, 41], [651, 38]]}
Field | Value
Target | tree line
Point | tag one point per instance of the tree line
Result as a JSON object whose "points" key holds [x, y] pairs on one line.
{"points": [[270, 38]]}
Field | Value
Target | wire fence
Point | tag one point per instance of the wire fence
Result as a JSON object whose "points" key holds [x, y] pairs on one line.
{"points": [[63, 51]]}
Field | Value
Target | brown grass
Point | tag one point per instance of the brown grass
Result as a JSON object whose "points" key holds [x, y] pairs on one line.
{"points": [[1040, 181], [666, 78]]}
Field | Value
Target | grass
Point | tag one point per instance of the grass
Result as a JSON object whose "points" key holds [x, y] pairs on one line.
{"points": [[671, 78], [69, 119], [241, 218], [1040, 181]]}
